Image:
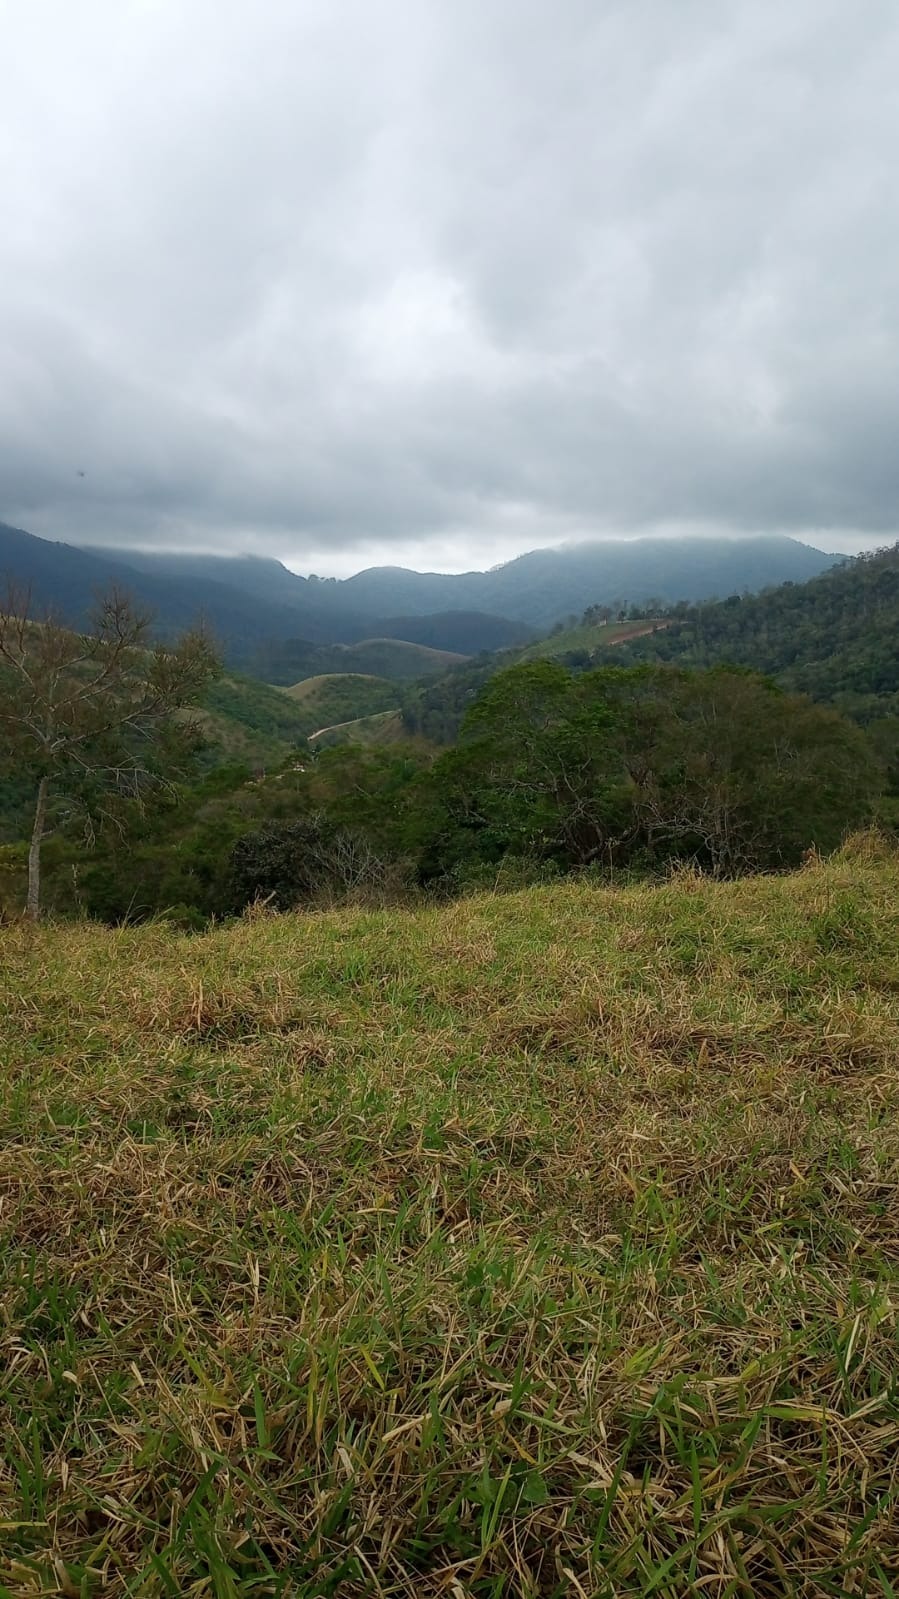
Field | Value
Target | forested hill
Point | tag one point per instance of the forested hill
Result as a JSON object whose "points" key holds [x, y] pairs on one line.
{"points": [[835, 637]]}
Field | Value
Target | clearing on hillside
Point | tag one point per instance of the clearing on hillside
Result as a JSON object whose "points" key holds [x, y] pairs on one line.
{"points": [[590, 636], [536, 1245]]}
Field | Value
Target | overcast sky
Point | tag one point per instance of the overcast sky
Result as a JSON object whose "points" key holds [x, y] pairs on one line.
{"points": [[436, 281]]}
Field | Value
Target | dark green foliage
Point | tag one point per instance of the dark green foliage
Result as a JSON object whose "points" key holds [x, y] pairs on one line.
{"points": [[257, 707], [463, 632], [371, 801], [835, 637], [283, 864], [642, 766], [435, 710]]}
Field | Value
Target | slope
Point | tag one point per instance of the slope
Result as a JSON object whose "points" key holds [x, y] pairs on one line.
{"points": [[385, 727], [530, 1245], [342, 696], [835, 637], [289, 661], [69, 580], [249, 721]]}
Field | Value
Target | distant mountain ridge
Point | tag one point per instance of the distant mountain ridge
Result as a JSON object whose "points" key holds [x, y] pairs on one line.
{"points": [[253, 602], [535, 589], [249, 602]]}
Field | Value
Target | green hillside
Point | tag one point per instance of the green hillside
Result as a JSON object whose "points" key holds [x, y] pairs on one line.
{"points": [[434, 709], [835, 637], [341, 697], [287, 662], [249, 721], [394, 658], [531, 1245], [588, 637], [386, 727], [246, 720]]}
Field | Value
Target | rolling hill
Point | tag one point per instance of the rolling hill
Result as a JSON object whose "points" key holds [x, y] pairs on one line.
{"points": [[289, 661], [434, 709], [250, 721], [385, 727], [342, 696]]}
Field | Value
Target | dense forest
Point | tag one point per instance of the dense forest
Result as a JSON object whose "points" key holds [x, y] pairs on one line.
{"points": [[735, 736], [835, 637], [611, 770]]}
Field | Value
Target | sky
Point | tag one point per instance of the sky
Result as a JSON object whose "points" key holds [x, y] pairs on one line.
{"points": [[432, 282]]}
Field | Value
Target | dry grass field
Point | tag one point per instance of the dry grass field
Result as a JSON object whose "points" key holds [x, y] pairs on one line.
{"points": [[537, 1245]]}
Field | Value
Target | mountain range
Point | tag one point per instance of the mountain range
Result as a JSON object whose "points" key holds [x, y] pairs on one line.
{"points": [[252, 603]]}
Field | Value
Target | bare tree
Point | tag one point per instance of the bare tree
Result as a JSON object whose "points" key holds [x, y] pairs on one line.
{"points": [[92, 716]]}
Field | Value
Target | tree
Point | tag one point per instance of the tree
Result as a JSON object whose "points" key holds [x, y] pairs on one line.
{"points": [[729, 770], [287, 863], [642, 765], [536, 773], [92, 718]]}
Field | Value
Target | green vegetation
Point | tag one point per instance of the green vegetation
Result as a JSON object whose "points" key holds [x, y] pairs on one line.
{"points": [[385, 727], [587, 637], [634, 768], [540, 1245], [462, 632], [611, 770], [527, 1245], [436, 709], [342, 697], [252, 722], [835, 637], [90, 722], [286, 662]]}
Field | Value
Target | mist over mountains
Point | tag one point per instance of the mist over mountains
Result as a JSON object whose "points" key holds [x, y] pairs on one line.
{"points": [[252, 601]]}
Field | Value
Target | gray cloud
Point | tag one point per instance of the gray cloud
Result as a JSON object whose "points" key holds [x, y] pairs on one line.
{"points": [[354, 280]]}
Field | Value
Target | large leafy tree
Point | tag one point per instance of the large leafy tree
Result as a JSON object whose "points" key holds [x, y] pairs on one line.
{"points": [[720, 767], [733, 772], [537, 771], [92, 720]]}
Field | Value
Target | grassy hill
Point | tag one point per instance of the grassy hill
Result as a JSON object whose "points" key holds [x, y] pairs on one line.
{"points": [[394, 658], [540, 1244], [251, 721], [255, 722], [341, 696], [287, 662]]}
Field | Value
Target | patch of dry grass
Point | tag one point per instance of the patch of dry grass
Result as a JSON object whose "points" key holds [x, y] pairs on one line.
{"points": [[540, 1245]]}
